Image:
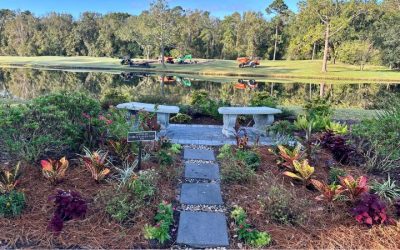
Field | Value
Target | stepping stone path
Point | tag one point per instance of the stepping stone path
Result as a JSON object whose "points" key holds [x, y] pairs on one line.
{"points": [[201, 229]]}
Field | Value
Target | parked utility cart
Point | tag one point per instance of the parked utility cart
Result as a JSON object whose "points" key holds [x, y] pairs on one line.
{"points": [[248, 62]]}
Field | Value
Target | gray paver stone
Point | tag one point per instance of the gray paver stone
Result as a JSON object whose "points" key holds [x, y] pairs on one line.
{"points": [[202, 171], [201, 194], [202, 229], [198, 154]]}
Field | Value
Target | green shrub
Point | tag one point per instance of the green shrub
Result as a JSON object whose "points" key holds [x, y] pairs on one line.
{"points": [[133, 195], [263, 99], [387, 190], [175, 148], [164, 158], [112, 98], [11, 204], [73, 103], [236, 172], [181, 118], [51, 124], [144, 185], [121, 207], [245, 232], [318, 107], [29, 131], [204, 105], [225, 152], [283, 127], [249, 158], [164, 219], [283, 207], [382, 133], [334, 174]]}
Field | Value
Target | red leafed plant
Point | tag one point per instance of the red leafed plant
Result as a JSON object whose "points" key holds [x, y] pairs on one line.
{"points": [[370, 210], [287, 156], [54, 170], [97, 163], [354, 187], [69, 205], [329, 193]]}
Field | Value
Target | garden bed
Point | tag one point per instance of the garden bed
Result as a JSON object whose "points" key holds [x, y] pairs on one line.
{"points": [[303, 222], [97, 229]]}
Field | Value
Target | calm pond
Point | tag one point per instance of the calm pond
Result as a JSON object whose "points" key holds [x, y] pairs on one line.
{"points": [[24, 84]]}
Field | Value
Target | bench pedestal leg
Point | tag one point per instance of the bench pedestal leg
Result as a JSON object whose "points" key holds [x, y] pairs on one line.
{"points": [[229, 125], [261, 122], [163, 120]]}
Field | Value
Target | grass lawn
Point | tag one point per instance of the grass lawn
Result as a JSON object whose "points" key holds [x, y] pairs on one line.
{"points": [[299, 71]]}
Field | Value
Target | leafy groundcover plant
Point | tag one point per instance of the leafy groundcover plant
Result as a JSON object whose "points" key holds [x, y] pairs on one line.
{"points": [[246, 232], [11, 204], [69, 205], [164, 220], [370, 210]]}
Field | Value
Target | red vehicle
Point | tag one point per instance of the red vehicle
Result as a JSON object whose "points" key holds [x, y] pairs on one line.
{"points": [[168, 59], [243, 84], [248, 61], [167, 79]]}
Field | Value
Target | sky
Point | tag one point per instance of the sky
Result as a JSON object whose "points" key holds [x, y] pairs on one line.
{"points": [[219, 8]]}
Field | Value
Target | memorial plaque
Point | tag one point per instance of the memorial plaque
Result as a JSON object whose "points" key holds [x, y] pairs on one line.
{"points": [[141, 136]]}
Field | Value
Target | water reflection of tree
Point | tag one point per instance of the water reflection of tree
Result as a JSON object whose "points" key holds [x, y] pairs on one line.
{"points": [[30, 83]]}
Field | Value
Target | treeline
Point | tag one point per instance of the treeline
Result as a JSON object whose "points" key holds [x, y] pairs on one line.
{"points": [[355, 31]]}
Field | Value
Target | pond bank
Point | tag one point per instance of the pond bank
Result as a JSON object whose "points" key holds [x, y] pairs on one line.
{"points": [[305, 71]]}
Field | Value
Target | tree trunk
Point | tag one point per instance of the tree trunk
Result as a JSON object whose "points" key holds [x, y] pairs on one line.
{"points": [[162, 55], [333, 54], [326, 50], [272, 89], [276, 42], [162, 85], [313, 51], [322, 90]]}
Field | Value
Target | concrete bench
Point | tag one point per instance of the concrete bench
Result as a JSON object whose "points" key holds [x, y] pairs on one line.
{"points": [[163, 111], [263, 116]]}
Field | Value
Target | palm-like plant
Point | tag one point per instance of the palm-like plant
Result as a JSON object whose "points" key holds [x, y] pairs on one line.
{"points": [[354, 187], [9, 179], [329, 193], [54, 170], [303, 171], [287, 156], [387, 190], [97, 163]]}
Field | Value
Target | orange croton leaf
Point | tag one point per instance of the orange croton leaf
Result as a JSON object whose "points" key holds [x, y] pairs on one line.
{"points": [[46, 165]]}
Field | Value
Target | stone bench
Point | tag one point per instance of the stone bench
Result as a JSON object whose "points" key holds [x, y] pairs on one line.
{"points": [[263, 116], [163, 111]]}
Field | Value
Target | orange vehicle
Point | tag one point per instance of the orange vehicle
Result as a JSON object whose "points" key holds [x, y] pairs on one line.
{"points": [[248, 61], [243, 84], [167, 79], [167, 59]]}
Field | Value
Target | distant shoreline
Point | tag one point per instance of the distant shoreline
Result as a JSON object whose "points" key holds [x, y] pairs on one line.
{"points": [[218, 68]]}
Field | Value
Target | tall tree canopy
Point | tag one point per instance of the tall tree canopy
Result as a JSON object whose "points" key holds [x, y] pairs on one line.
{"points": [[351, 31]]}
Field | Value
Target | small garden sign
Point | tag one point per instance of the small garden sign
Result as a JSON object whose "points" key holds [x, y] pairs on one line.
{"points": [[141, 136]]}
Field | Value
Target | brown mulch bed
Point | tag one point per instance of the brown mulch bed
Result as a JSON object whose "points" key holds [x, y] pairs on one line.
{"points": [[323, 227], [98, 229]]}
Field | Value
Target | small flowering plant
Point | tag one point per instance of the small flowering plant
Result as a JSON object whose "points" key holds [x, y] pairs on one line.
{"points": [[164, 220], [245, 232]]}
